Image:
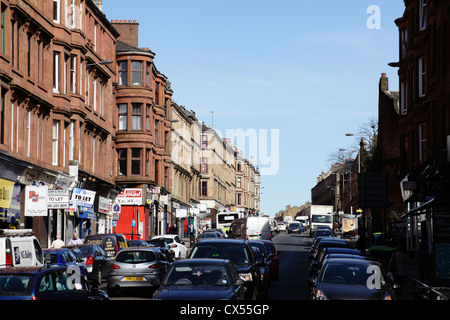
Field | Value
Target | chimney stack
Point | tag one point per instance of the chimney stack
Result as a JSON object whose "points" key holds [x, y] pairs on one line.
{"points": [[384, 82], [129, 31]]}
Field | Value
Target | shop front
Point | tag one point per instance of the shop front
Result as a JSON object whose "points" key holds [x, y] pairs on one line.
{"points": [[134, 218]]}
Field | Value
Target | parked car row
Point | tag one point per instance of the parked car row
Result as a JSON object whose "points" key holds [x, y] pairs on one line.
{"points": [[75, 272], [340, 272]]}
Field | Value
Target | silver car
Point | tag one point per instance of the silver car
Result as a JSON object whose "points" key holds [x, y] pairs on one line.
{"points": [[137, 267]]}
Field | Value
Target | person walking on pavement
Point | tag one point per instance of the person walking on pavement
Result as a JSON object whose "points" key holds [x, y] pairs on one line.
{"points": [[75, 239], [57, 243]]}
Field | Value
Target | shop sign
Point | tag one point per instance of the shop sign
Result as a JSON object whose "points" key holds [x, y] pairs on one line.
{"points": [[9, 201], [36, 201], [132, 196], [103, 205], [58, 199], [72, 206], [181, 213], [6, 190], [86, 211]]}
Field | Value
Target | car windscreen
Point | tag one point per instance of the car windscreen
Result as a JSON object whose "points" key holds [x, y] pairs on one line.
{"points": [[238, 255], [16, 284], [136, 256], [198, 275], [321, 218]]}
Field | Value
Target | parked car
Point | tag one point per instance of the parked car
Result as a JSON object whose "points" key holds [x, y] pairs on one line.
{"points": [[325, 240], [294, 227], [94, 259], [209, 235], [350, 279], [112, 243], [164, 246], [175, 243], [274, 257], [323, 233], [317, 264], [240, 253], [220, 231], [317, 240], [19, 248], [201, 279], [138, 243], [261, 254], [64, 256], [51, 282], [137, 268]]}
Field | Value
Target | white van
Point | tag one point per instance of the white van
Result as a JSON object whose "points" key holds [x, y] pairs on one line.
{"points": [[258, 228], [19, 248]]}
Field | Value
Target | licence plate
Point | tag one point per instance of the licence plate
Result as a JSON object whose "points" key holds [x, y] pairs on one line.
{"points": [[134, 278]]}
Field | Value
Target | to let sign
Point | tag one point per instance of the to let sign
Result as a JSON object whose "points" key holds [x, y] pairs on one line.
{"points": [[58, 199], [83, 196]]}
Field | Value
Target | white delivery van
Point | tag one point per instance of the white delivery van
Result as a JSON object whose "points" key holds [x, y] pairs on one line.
{"points": [[19, 248], [258, 228]]}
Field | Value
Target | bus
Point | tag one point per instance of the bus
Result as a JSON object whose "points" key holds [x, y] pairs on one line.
{"points": [[224, 219]]}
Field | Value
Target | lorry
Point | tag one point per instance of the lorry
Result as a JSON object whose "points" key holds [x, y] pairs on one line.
{"points": [[319, 215], [251, 228]]}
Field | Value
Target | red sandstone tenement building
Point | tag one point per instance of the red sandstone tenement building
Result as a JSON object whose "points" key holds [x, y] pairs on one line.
{"points": [[56, 118], [85, 118], [142, 139]]}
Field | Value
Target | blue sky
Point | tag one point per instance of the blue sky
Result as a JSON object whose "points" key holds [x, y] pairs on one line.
{"points": [[308, 70]]}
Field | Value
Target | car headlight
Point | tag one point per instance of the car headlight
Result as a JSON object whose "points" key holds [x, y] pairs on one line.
{"points": [[320, 295], [246, 276]]}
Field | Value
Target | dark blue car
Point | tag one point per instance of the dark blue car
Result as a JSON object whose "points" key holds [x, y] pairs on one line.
{"points": [[64, 256], [201, 279], [51, 282]]}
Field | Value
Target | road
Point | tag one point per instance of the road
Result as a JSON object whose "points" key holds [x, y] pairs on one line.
{"points": [[294, 263]]}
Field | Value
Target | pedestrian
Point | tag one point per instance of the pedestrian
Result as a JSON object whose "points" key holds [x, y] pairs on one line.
{"points": [[75, 239], [57, 243], [397, 266]]}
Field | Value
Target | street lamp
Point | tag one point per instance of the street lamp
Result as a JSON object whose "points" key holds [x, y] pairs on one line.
{"points": [[359, 151]]}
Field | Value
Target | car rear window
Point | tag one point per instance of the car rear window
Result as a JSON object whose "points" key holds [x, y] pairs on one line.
{"points": [[82, 251], [16, 285], [236, 254], [135, 256]]}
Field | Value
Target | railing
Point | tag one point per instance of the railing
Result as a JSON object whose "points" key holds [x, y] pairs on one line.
{"points": [[425, 292]]}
